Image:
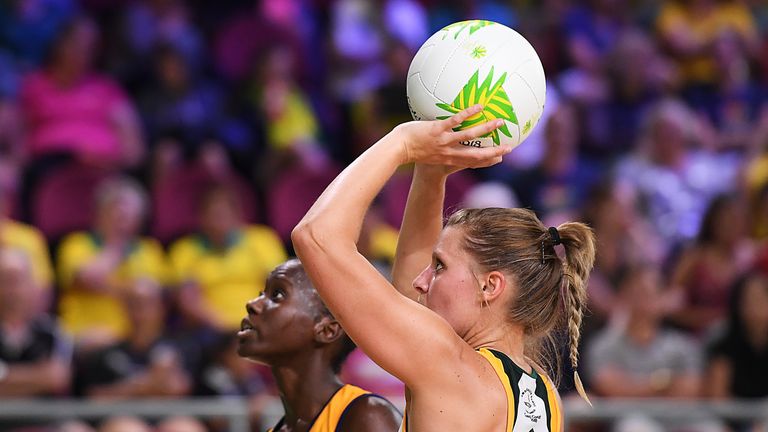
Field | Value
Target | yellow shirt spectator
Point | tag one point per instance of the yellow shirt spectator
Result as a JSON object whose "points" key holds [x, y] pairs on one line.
{"points": [[294, 123], [227, 278], [28, 239], [384, 242], [83, 310], [679, 23]]}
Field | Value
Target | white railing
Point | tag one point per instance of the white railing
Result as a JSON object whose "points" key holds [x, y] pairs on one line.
{"points": [[236, 410], [665, 409]]}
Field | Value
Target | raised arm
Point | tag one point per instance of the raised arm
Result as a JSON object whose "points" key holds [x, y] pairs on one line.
{"points": [[398, 334], [422, 223]]}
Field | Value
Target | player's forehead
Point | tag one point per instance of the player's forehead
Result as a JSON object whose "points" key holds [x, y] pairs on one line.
{"points": [[450, 244], [291, 273]]}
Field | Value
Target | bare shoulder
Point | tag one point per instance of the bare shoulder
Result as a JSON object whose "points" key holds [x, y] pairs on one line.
{"points": [[370, 413], [469, 397]]}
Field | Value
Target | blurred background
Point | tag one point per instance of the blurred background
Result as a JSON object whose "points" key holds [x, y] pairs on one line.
{"points": [[155, 155]]}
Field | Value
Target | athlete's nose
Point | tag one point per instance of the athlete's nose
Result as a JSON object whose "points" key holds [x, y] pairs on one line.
{"points": [[421, 283], [256, 306]]}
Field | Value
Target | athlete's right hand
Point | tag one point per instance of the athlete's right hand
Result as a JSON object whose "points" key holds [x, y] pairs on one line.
{"points": [[436, 143]]}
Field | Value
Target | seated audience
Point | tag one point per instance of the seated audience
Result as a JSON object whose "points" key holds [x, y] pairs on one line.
{"points": [[223, 265], [637, 357], [739, 353], [143, 364], [97, 267], [34, 355], [708, 269], [30, 240], [68, 108]]}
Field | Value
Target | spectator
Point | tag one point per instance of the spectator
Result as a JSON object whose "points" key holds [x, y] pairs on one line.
{"points": [[27, 27], [707, 271], [375, 113], [690, 28], [179, 101], [247, 34], [560, 182], [96, 267], [593, 29], [624, 239], [152, 23], [68, 108], [226, 374], [675, 171], [28, 239], [34, 356], [291, 125], [145, 363], [738, 101], [358, 41], [223, 265], [739, 353], [637, 357], [633, 89]]}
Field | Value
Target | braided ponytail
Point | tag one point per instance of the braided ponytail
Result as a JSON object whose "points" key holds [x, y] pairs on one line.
{"points": [[579, 244]]}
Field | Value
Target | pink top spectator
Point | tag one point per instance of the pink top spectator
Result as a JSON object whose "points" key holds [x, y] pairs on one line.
{"points": [[81, 119]]}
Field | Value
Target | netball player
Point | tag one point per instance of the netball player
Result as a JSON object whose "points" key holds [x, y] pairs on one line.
{"points": [[289, 329], [491, 283]]}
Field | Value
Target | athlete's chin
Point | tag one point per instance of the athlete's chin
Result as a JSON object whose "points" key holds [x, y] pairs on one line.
{"points": [[248, 351]]}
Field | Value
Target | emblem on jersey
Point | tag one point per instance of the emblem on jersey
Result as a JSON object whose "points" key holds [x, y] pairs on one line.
{"points": [[529, 404]]}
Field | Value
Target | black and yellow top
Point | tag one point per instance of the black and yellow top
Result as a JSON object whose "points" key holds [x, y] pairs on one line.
{"points": [[531, 397], [329, 418]]}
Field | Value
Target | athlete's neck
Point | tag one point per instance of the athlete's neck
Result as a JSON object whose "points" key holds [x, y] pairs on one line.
{"points": [[304, 390], [508, 339]]}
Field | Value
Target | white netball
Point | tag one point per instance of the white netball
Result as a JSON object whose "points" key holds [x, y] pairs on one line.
{"points": [[479, 62]]}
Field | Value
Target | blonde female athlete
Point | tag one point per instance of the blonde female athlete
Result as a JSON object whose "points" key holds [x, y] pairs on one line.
{"points": [[490, 286]]}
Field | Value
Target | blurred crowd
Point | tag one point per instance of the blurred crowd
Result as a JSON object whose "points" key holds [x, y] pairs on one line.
{"points": [[155, 154]]}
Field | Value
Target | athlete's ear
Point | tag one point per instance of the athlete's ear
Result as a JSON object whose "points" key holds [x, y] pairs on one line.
{"points": [[327, 330], [494, 285]]}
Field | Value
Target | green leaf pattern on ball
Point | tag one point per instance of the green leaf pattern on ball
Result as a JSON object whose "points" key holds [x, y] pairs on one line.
{"points": [[496, 104], [473, 25], [478, 52], [527, 127]]}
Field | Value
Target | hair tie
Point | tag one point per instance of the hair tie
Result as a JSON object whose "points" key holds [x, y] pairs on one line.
{"points": [[555, 234]]}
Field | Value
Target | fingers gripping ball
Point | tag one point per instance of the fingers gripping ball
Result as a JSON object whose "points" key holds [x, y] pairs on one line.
{"points": [[479, 62]]}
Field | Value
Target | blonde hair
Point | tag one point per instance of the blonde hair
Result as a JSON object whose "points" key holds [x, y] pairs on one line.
{"points": [[111, 189], [551, 292]]}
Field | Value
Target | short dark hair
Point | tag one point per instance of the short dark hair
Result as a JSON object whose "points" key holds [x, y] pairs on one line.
{"points": [[346, 344]]}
